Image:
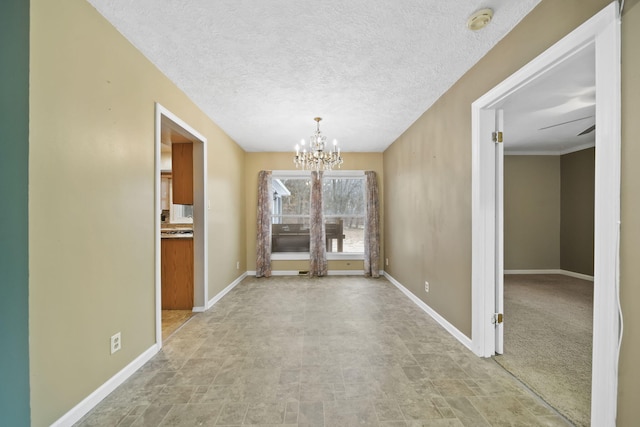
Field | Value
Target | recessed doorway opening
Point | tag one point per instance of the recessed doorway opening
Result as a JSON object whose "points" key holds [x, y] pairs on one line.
{"points": [[181, 223], [548, 211], [602, 32]]}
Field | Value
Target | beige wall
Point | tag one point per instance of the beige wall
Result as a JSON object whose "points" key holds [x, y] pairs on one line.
{"points": [[427, 210], [255, 162], [577, 211], [531, 212], [548, 212], [629, 377], [91, 202]]}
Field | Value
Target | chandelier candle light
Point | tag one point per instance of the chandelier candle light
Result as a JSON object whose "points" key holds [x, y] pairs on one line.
{"points": [[316, 158]]}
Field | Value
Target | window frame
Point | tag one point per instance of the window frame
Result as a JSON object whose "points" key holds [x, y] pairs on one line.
{"points": [[305, 174], [176, 211]]}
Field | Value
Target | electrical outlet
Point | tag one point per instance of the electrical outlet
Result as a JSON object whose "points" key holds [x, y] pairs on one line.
{"points": [[426, 286], [386, 262], [116, 342], [237, 265]]}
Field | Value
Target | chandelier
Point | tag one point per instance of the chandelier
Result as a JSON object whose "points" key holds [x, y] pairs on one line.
{"points": [[316, 158]]}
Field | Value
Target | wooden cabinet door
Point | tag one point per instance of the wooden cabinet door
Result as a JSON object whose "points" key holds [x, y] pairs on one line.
{"points": [[182, 173], [177, 274]]}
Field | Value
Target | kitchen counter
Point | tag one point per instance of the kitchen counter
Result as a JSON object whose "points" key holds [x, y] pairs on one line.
{"points": [[176, 236], [172, 233]]}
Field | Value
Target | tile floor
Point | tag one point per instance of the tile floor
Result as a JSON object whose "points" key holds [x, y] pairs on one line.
{"points": [[172, 320], [335, 351]]}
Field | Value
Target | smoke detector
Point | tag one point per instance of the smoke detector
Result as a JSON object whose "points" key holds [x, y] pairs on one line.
{"points": [[479, 19]]}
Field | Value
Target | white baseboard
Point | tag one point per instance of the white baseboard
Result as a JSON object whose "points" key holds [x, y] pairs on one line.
{"points": [[226, 290], [329, 273], [541, 271], [349, 273], [82, 408], [89, 402], [345, 272], [278, 273], [285, 273], [577, 275], [466, 341], [552, 271]]}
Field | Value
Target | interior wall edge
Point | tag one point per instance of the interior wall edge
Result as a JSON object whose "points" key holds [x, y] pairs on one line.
{"points": [[14, 227]]}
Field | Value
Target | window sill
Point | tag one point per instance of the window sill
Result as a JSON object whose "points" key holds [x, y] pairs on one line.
{"points": [[182, 222], [304, 256], [345, 256]]}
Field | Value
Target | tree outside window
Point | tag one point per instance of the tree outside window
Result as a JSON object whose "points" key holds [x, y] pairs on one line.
{"points": [[343, 209]]}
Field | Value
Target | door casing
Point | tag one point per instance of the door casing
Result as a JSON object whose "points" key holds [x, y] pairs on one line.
{"points": [[200, 246]]}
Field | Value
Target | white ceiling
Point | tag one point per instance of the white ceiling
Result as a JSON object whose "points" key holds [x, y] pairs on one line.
{"points": [[546, 116], [262, 70]]}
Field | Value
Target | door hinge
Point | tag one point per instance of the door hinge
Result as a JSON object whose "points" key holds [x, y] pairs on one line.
{"points": [[496, 137], [497, 318]]}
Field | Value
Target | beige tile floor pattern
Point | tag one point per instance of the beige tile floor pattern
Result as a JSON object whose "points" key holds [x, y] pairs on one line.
{"points": [[172, 320], [334, 351]]}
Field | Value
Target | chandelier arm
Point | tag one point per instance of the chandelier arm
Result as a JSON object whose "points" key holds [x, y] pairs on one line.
{"points": [[316, 158]]}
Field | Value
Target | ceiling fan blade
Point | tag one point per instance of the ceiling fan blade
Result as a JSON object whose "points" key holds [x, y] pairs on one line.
{"points": [[587, 130], [564, 123]]}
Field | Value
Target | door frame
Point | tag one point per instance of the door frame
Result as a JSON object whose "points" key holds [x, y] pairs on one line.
{"points": [[603, 32], [200, 207]]}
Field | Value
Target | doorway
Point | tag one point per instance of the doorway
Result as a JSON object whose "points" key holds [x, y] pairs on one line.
{"points": [[168, 125], [548, 241], [602, 32]]}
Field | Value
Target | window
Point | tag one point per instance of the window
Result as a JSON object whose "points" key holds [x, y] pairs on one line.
{"points": [[181, 214], [290, 215], [172, 213], [343, 210]]}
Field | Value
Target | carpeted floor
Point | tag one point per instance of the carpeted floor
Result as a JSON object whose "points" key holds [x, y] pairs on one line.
{"points": [[548, 337]]}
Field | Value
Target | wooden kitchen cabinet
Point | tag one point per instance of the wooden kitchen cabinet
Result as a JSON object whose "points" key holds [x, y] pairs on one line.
{"points": [[177, 273], [182, 173]]}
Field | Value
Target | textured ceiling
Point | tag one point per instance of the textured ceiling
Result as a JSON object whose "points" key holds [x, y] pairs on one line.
{"points": [[262, 70]]}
